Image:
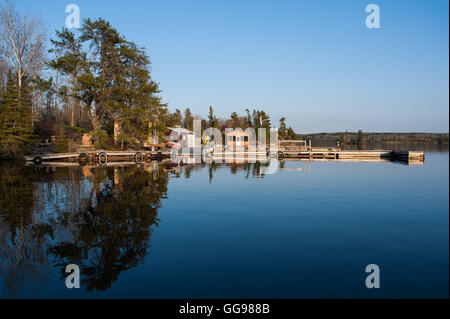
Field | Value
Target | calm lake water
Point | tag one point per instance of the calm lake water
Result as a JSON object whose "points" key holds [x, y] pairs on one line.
{"points": [[226, 230]]}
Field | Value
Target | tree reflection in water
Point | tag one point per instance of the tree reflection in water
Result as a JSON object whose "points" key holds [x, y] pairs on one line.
{"points": [[23, 260], [112, 233], [100, 221], [98, 218]]}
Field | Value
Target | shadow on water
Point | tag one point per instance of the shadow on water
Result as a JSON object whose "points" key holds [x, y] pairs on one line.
{"points": [[99, 218]]}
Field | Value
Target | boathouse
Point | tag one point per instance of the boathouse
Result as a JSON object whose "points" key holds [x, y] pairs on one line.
{"points": [[181, 136]]}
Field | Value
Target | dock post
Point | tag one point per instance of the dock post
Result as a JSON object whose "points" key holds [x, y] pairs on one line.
{"points": [[310, 148]]}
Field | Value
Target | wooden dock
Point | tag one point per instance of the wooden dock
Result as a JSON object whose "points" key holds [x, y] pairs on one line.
{"points": [[101, 157], [303, 149], [331, 153]]}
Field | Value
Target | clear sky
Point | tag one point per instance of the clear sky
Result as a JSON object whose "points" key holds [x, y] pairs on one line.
{"points": [[313, 62]]}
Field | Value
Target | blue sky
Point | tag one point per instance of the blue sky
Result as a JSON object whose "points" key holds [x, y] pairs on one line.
{"points": [[313, 62]]}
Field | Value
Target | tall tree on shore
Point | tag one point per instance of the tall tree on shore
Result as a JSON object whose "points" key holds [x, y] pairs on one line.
{"points": [[177, 118], [211, 116], [282, 130], [113, 81], [212, 119], [174, 119], [188, 119], [68, 61], [249, 118], [261, 120], [15, 119]]}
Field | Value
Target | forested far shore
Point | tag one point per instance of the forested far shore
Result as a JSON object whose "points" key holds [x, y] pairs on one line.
{"points": [[368, 140]]}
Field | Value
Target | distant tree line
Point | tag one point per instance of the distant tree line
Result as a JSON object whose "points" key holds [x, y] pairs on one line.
{"points": [[367, 140]]}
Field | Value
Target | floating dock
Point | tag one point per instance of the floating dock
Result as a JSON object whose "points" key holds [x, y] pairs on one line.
{"points": [[101, 157], [303, 149], [324, 153]]}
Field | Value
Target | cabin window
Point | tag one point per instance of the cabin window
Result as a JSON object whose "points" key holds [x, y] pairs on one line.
{"points": [[245, 138]]}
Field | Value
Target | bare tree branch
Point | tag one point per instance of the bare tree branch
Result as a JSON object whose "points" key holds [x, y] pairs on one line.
{"points": [[22, 39]]}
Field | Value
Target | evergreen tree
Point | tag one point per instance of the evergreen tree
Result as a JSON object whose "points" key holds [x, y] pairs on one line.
{"points": [[234, 118], [177, 118], [211, 116], [188, 119], [290, 134], [113, 81], [261, 120], [282, 130], [10, 107], [249, 118], [265, 120], [255, 121], [68, 63], [15, 119]]}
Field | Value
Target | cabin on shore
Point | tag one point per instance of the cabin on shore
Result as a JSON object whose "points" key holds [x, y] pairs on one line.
{"points": [[180, 136], [236, 139]]}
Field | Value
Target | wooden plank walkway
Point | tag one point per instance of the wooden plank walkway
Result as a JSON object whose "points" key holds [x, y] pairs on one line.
{"points": [[102, 157], [93, 156], [354, 154]]}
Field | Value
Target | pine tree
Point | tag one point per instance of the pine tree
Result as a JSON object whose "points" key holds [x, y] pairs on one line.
{"points": [[25, 110], [111, 80], [249, 118], [261, 120], [282, 130], [10, 107], [211, 116], [178, 117], [188, 119], [291, 134], [15, 119]]}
